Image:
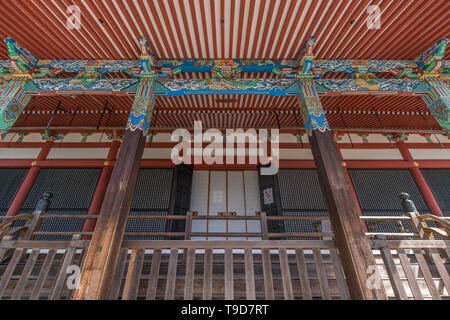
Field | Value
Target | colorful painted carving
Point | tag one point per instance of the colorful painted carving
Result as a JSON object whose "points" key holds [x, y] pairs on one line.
{"points": [[364, 136], [85, 136], [115, 136], [431, 60], [76, 88], [397, 137], [312, 111], [142, 108], [14, 82], [313, 115], [177, 87], [20, 59], [21, 136], [338, 136], [226, 75], [89, 74], [399, 85], [13, 100], [50, 136], [361, 70], [428, 65], [438, 101]]}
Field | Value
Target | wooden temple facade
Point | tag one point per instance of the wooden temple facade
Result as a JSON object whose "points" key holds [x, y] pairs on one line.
{"points": [[120, 180]]}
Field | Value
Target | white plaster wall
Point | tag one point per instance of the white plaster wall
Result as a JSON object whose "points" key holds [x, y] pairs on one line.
{"points": [[376, 138], [156, 153], [19, 153], [78, 153], [371, 154], [423, 154], [296, 154]]}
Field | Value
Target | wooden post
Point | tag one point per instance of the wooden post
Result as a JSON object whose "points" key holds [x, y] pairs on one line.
{"points": [[28, 182], [354, 250], [421, 183], [103, 253]]}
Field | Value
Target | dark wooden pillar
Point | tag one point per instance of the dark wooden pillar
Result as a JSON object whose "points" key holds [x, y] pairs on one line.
{"points": [[354, 250], [101, 258], [103, 253]]}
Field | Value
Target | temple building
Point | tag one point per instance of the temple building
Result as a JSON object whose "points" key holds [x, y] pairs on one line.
{"points": [[224, 149]]}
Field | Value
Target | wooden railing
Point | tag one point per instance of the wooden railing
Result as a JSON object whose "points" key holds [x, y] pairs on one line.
{"points": [[416, 267]]}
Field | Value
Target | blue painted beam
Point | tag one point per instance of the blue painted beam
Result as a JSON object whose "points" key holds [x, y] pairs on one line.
{"points": [[272, 87], [195, 66]]}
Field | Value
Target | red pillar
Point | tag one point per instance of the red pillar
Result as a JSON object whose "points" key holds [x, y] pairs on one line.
{"points": [[97, 198], [355, 197], [25, 188], [420, 181]]}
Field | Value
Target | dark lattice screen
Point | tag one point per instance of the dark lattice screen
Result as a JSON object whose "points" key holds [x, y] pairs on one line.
{"points": [[10, 181], [301, 196], [439, 182], [378, 194], [151, 197], [72, 193]]}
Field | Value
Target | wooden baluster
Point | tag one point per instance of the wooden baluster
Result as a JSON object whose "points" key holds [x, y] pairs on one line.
{"points": [[267, 264], [62, 273], [342, 285], [391, 269], [171, 274], [303, 274], [117, 282], [43, 273], [285, 275], [249, 275], [154, 274], [207, 275], [321, 274], [190, 273], [131, 287], [17, 254], [229, 282]]}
